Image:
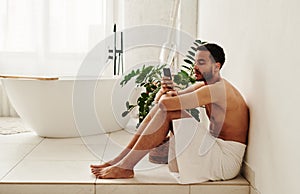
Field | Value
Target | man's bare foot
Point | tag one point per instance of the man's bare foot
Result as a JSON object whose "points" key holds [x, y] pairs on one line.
{"points": [[100, 165], [97, 168], [106, 164], [114, 172]]}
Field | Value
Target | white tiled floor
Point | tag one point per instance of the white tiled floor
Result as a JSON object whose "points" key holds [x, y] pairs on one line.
{"points": [[31, 164]]}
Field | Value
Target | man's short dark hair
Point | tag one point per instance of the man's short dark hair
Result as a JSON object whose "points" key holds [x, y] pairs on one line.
{"points": [[216, 52]]}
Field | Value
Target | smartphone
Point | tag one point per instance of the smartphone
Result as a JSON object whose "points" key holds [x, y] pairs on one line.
{"points": [[167, 73]]}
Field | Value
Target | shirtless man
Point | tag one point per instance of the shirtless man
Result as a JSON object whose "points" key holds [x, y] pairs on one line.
{"points": [[225, 107]]}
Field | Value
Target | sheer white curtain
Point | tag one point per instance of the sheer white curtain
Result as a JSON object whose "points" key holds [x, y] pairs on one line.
{"points": [[50, 37], [6, 110]]}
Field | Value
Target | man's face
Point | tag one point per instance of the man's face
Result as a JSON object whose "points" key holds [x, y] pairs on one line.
{"points": [[203, 68]]}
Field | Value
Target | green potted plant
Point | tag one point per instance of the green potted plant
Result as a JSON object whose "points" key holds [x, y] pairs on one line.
{"points": [[149, 77]]}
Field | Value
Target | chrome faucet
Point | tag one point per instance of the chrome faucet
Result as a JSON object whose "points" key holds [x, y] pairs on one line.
{"points": [[117, 53]]}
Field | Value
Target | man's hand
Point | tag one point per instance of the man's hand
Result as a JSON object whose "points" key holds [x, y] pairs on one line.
{"points": [[167, 85], [172, 93]]}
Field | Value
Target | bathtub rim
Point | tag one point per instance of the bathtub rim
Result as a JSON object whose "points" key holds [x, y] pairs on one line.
{"points": [[58, 78]]}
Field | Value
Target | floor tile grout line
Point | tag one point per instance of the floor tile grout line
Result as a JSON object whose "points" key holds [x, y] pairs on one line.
{"points": [[21, 160], [107, 134], [106, 145]]}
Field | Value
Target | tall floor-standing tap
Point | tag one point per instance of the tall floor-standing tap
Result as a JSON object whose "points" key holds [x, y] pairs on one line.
{"points": [[117, 53]]}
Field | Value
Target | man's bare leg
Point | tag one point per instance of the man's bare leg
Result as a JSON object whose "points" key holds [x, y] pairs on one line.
{"points": [[153, 135], [143, 125]]}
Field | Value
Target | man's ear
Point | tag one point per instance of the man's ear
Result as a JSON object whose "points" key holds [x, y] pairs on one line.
{"points": [[218, 66]]}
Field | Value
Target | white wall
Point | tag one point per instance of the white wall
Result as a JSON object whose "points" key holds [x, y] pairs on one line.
{"points": [[261, 39], [136, 13]]}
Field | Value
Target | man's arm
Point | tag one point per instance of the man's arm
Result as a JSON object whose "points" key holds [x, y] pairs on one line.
{"points": [[203, 95], [191, 88], [167, 84]]}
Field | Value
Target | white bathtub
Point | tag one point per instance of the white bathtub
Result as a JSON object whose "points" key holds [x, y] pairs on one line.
{"points": [[64, 108]]}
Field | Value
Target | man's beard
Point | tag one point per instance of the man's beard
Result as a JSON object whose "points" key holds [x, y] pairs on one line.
{"points": [[206, 76]]}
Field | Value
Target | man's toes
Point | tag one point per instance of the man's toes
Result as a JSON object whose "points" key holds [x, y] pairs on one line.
{"points": [[100, 175], [95, 171]]}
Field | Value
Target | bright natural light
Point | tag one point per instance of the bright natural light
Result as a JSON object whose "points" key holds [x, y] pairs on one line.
{"points": [[55, 26]]}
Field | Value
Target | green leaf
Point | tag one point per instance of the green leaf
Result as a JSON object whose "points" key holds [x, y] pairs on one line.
{"points": [[140, 99], [195, 43], [125, 113], [199, 41], [177, 79], [191, 58], [191, 53], [128, 77], [194, 48], [186, 67], [144, 74], [188, 61], [192, 80], [141, 109], [144, 95], [138, 124], [153, 86], [185, 74], [195, 114], [131, 107]]}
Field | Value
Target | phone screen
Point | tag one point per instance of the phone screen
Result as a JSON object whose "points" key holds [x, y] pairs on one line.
{"points": [[167, 72]]}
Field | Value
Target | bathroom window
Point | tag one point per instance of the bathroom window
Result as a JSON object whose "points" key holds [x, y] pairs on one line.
{"points": [[71, 20], [17, 26], [50, 27]]}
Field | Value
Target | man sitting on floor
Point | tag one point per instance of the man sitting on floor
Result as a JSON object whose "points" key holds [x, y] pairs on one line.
{"points": [[225, 107]]}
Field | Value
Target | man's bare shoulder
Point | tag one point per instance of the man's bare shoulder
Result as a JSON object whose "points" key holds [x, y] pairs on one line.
{"points": [[198, 85], [234, 98], [231, 89]]}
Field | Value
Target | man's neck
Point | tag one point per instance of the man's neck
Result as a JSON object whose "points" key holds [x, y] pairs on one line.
{"points": [[213, 80]]}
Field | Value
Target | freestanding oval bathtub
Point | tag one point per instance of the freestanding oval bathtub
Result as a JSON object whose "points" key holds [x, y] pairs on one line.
{"points": [[47, 106]]}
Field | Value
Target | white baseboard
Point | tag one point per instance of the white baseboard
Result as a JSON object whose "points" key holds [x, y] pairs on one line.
{"points": [[249, 174]]}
